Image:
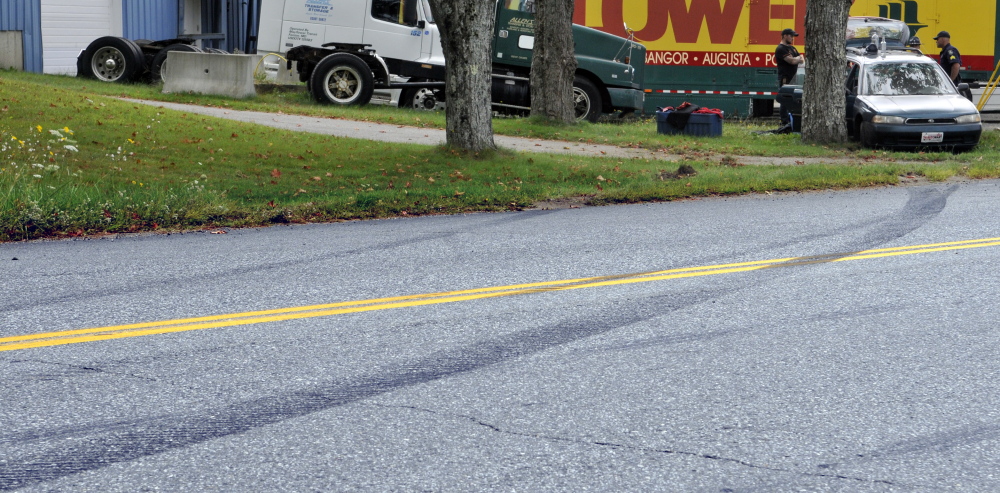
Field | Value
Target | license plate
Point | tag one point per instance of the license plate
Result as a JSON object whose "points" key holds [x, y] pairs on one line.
{"points": [[931, 137]]}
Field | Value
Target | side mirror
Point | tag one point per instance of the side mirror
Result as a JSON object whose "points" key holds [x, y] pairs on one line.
{"points": [[964, 90], [421, 24]]}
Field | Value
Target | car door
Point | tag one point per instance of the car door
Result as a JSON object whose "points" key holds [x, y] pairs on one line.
{"points": [[851, 95]]}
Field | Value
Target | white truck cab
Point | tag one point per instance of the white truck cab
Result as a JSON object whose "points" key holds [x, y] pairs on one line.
{"points": [[397, 29]]}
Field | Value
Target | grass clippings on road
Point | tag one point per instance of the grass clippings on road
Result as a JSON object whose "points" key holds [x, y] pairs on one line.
{"points": [[74, 161]]}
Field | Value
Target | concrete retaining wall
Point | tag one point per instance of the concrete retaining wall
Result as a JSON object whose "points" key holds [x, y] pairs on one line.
{"points": [[210, 73], [11, 50]]}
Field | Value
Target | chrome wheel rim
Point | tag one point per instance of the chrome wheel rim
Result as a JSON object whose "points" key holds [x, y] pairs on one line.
{"points": [[108, 64], [581, 102], [343, 85]]}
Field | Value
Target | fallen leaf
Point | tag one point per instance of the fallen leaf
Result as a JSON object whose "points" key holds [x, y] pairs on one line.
{"points": [[275, 173], [219, 232]]}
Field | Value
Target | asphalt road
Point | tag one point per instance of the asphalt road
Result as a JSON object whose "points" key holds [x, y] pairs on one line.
{"points": [[741, 344]]}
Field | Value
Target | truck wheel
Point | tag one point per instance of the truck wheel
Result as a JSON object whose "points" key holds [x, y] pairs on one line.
{"points": [[342, 78], [422, 98], [156, 66], [587, 100], [111, 59]]}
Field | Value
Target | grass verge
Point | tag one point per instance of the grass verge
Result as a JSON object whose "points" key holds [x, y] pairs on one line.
{"points": [[75, 162]]}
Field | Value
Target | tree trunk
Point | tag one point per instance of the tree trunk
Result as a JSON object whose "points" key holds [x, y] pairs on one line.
{"points": [[553, 63], [823, 111], [466, 28]]}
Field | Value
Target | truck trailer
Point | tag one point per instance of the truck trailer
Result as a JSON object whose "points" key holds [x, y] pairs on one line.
{"points": [[720, 53]]}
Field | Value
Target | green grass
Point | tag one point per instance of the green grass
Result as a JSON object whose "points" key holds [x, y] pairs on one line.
{"points": [[131, 167]]}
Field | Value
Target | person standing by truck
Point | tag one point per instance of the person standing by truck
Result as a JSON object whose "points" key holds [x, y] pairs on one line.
{"points": [[788, 60], [787, 57], [950, 59]]}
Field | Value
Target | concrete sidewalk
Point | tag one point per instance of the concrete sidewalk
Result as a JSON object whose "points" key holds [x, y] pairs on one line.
{"points": [[425, 136]]}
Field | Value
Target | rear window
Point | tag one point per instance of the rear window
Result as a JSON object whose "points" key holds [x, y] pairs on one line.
{"points": [[905, 79]]}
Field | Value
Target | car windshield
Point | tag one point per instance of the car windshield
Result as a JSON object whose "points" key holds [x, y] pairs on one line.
{"points": [[906, 79]]}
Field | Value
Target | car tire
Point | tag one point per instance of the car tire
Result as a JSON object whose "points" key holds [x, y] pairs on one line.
{"points": [[855, 130], [156, 66], [587, 100], [867, 134], [344, 79], [111, 59]]}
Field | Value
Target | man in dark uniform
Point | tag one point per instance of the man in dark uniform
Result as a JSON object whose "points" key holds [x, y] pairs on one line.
{"points": [[788, 60], [787, 57], [950, 60]]}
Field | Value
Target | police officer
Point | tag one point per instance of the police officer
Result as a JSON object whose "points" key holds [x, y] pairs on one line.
{"points": [[788, 60], [787, 57], [950, 60]]}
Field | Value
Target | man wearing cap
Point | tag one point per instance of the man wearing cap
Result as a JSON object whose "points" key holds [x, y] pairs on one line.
{"points": [[787, 57], [950, 60], [788, 60]]}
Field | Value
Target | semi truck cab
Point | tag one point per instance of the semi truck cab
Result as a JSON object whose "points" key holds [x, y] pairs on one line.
{"points": [[397, 29]]}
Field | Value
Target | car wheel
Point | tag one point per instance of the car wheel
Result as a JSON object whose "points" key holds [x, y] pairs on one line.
{"points": [[160, 60], [342, 79], [856, 130], [111, 59], [867, 134], [586, 99]]}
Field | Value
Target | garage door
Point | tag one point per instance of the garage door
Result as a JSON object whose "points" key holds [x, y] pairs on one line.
{"points": [[68, 26]]}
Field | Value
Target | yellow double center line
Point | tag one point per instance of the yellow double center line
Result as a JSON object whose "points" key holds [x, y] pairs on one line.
{"points": [[277, 315]]}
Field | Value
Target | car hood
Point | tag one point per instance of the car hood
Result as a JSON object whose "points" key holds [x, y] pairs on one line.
{"points": [[915, 106]]}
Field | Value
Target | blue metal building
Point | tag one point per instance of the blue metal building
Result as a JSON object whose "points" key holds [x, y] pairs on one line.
{"points": [[24, 17], [53, 32]]}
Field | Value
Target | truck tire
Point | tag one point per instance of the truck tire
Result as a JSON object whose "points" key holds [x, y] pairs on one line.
{"points": [[587, 100], [342, 78], [111, 59], [156, 66], [421, 98]]}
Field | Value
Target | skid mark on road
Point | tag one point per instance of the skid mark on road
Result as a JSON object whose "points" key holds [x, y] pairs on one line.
{"points": [[28, 341]]}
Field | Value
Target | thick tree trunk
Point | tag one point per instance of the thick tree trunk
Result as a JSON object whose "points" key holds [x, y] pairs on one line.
{"points": [[823, 111], [466, 28], [553, 62]]}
